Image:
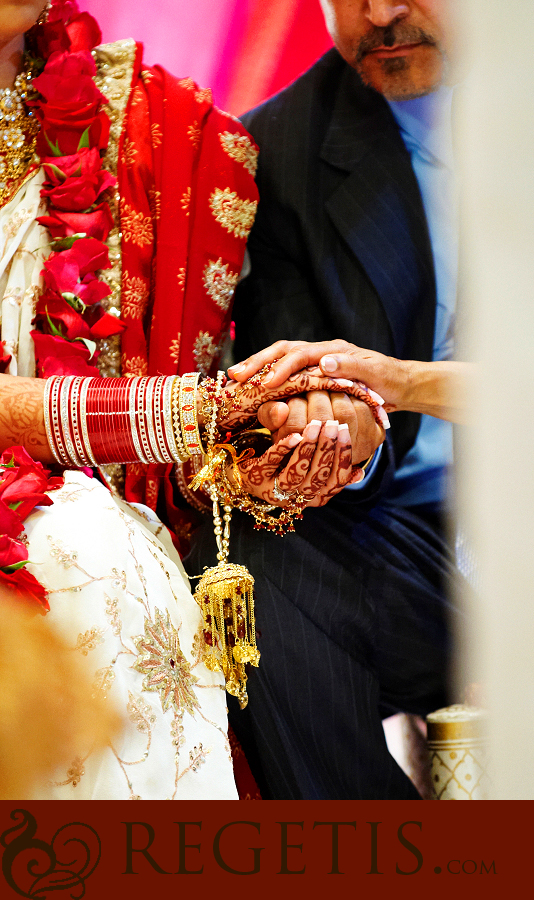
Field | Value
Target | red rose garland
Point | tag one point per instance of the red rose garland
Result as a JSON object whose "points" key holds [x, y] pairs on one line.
{"points": [[73, 137], [23, 483]]}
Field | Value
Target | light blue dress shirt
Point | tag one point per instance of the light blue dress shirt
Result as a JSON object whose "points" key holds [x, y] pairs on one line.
{"points": [[425, 126]]}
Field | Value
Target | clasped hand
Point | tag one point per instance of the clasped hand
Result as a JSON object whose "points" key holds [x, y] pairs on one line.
{"points": [[321, 430]]}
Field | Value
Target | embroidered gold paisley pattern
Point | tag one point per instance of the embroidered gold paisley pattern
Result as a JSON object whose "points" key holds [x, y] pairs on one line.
{"points": [[187, 83], [175, 348], [233, 213], [240, 148], [137, 365], [220, 282], [157, 137], [186, 200], [129, 152], [204, 352], [164, 666], [89, 641], [135, 293], [136, 227], [140, 713], [194, 134], [204, 95], [154, 198]]}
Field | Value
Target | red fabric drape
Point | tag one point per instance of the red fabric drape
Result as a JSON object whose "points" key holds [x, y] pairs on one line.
{"points": [[187, 203]]}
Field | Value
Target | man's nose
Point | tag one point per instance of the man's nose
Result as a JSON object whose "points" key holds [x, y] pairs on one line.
{"points": [[382, 13]]}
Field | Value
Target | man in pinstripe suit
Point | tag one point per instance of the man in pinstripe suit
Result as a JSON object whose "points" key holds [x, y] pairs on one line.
{"points": [[351, 242]]}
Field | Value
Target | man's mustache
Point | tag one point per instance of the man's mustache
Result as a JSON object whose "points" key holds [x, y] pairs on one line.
{"points": [[393, 35]]}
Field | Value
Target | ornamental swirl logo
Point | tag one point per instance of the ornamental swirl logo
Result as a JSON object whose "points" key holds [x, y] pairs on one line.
{"points": [[33, 868]]}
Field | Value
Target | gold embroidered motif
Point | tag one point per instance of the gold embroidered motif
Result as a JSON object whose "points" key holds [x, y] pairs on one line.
{"points": [[181, 278], [240, 148], [140, 713], [90, 640], [175, 348], [112, 612], [137, 96], [15, 222], [194, 134], [147, 76], [136, 227], [220, 282], [157, 136], [74, 774], [233, 213], [204, 352], [164, 666], [154, 198], [104, 679], [129, 152], [187, 83], [204, 95], [135, 293], [135, 366], [186, 200]]}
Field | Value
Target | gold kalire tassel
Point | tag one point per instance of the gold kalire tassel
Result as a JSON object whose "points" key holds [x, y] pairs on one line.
{"points": [[226, 597]]}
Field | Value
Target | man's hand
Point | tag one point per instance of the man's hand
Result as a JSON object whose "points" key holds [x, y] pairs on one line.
{"points": [[388, 377]]}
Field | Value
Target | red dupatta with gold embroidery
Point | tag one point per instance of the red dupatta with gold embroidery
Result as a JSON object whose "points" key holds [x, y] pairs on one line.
{"points": [[188, 200]]}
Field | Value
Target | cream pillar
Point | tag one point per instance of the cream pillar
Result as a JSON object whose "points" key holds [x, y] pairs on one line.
{"points": [[496, 486]]}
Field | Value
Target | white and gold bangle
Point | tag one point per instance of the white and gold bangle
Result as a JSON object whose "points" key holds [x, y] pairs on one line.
{"points": [[188, 414]]}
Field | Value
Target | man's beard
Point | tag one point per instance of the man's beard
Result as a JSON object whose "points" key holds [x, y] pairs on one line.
{"points": [[395, 72]]}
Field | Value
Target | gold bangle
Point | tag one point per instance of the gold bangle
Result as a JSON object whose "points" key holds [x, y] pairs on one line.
{"points": [[188, 414], [178, 444], [367, 462]]}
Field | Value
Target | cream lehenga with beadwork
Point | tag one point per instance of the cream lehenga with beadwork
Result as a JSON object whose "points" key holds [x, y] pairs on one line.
{"points": [[118, 595]]}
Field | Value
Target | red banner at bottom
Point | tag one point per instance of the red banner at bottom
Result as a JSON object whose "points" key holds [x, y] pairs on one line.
{"points": [[92, 850]]}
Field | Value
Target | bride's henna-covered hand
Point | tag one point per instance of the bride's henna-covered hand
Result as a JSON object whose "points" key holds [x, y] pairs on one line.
{"points": [[319, 466], [246, 399]]}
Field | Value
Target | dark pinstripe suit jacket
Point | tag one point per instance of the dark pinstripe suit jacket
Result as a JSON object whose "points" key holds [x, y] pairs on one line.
{"points": [[340, 248]]}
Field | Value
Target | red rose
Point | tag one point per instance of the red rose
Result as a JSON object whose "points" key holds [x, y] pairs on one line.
{"points": [[5, 358], [10, 522], [89, 255], [11, 552], [79, 193], [96, 224], [64, 129], [70, 323], [56, 356], [85, 162], [62, 10], [25, 588], [64, 270], [91, 290], [106, 325], [84, 32], [52, 37], [23, 482], [67, 81]]}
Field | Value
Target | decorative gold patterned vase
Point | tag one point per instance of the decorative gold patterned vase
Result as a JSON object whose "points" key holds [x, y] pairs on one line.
{"points": [[456, 738]]}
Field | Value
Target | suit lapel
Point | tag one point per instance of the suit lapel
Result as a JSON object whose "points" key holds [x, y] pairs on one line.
{"points": [[378, 211]]}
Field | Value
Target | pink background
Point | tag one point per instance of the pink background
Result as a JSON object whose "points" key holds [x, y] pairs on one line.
{"points": [[245, 50]]}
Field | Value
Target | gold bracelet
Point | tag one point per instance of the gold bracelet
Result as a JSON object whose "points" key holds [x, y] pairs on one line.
{"points": [[188, 414], [175, 433], [367, 462]]}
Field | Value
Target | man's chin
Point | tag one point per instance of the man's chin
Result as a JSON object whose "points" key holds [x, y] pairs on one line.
{"points": [[397, 80]]}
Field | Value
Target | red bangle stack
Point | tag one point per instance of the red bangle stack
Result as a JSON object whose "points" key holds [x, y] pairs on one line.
{"points": [[96, 421]]}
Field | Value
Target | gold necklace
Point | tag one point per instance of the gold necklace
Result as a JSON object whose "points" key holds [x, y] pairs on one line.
{"points": [[18, 134]]}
